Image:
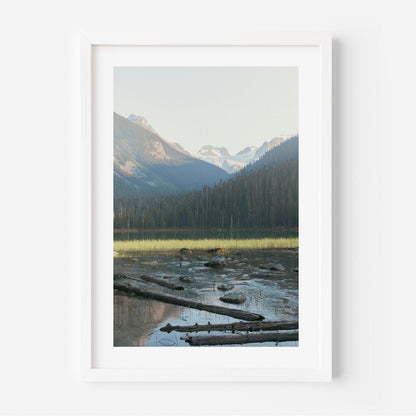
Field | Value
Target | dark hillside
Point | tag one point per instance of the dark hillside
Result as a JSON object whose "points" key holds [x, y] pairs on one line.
{"points": [[262, 196]]}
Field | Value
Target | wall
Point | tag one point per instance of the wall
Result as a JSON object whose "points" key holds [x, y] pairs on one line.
{"points": [[373, 196]]}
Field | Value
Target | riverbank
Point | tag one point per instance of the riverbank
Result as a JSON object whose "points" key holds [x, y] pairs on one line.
{"points": [[135, 246]]}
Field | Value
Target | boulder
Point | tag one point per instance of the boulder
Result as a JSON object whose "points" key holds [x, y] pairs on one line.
{"points": [[296, 270], [118, 276], [263, 276], [187, 279], [238, 252], [216, 262], [151, 263], [234, 297], [226, 286], [217, 250], [185, 251], [278, 267]]}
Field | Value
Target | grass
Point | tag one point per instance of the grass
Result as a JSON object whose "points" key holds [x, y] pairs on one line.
{"points": [[129, 247]]}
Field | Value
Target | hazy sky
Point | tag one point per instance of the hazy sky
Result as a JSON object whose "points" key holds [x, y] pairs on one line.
{"points": [[223, 106]]}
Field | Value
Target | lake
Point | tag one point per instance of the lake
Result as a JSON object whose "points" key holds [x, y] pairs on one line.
{"points": [[273, 294]]}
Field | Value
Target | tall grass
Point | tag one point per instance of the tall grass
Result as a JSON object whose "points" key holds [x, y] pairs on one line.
{"points": [[128, 247]]}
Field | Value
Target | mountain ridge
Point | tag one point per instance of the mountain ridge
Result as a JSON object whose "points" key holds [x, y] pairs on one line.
{"points": [[144, 163], [221, 157], [218, 155], [263, 194]]}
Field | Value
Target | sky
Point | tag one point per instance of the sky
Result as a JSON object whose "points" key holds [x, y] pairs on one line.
{"points": [[234, 107]]}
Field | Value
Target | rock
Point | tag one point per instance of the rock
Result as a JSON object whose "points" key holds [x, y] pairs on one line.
{"points": [[296, 270], [185, 251], [202, 258], [187, 279], [217, 261], [166, 342], [234, 297], [118, 276], [278, 268], [238, 252], [225, 287], [183, 258], [151, 263], [216, 251]]}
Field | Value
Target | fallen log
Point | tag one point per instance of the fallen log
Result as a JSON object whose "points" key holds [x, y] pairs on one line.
{"points": [[241, 338], [235, 326], [161, 282], [144, 293]]}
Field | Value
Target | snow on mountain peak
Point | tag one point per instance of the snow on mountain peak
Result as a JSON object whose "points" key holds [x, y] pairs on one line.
{"points": [[221, 157], [212, 151], [216, 155], [246, 150]]}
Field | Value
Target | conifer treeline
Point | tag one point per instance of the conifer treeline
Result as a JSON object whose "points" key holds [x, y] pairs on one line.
{"points": [[267, 197]]}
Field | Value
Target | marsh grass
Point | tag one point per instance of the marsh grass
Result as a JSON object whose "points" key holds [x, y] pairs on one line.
{"points": [[134, 246]]}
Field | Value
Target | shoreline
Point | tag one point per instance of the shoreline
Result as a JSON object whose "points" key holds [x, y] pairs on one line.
{"points": [[279, 229]]}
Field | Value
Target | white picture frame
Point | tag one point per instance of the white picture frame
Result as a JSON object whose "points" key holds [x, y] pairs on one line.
{"points": [[203, 364]]}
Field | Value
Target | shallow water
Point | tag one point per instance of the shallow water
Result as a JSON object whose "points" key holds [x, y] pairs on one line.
{"points": [[273, 294]]}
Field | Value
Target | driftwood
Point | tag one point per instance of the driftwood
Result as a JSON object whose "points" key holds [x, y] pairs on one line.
{"points": [[144, 293], [235, 326], [161, 282], [241, 338]]}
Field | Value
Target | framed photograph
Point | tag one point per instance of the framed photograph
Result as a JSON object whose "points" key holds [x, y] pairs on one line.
{"points": [[206, 207]]}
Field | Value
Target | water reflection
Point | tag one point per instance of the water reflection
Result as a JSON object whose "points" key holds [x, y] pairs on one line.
{"points": [[135, 319]]}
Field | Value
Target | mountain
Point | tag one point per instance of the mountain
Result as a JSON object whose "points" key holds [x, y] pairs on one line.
{"points": [[262, 195], [247, 151], [222, 158], [277, 155], [179, 148], [246, 155], [141, 121], [266, 146], [145, 164], [211, 151]]}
